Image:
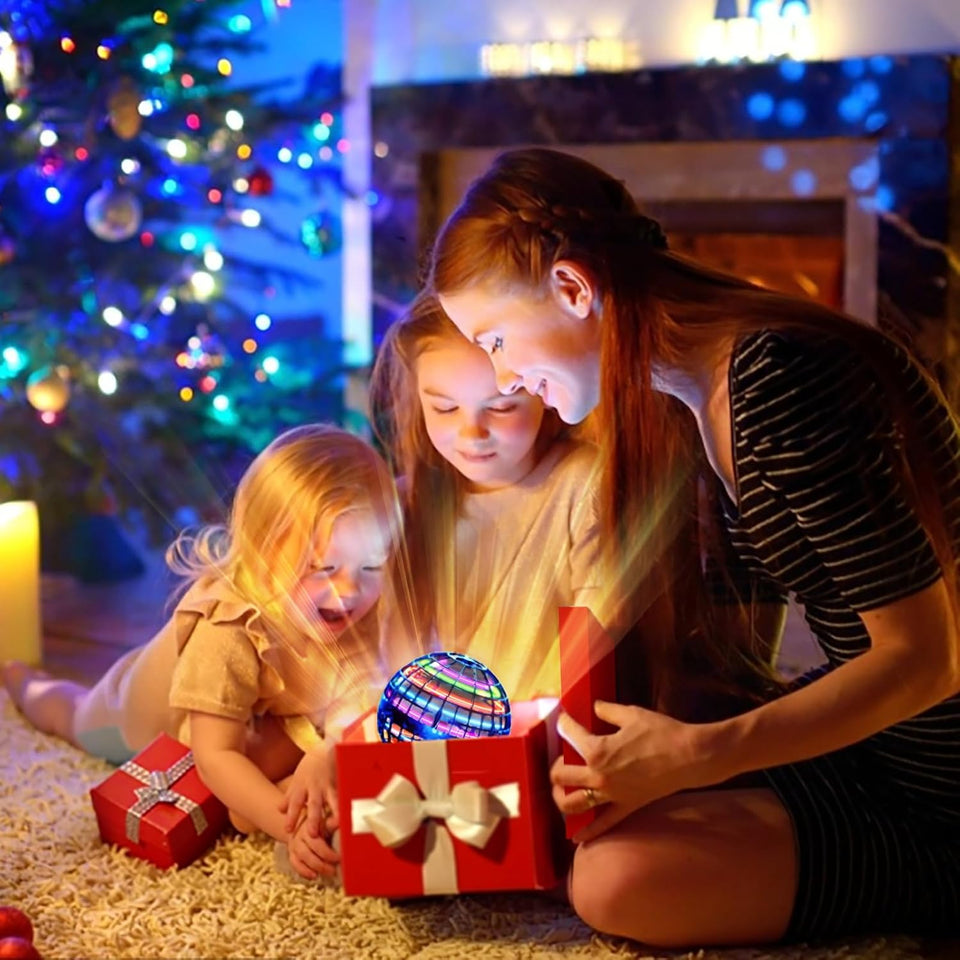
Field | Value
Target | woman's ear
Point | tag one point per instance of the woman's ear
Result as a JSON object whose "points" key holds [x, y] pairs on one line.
{"points": [[573, 288]]}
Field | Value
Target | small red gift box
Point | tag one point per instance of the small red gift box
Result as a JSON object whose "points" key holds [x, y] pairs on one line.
{"points": [[157, 807], [449, 816]]}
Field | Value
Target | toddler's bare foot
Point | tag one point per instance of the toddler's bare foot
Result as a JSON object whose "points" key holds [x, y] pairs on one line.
{"points": [[16, 675], [47, 703]]}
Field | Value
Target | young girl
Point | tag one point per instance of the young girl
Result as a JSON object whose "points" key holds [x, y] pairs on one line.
{"points": [[836, 464], [491, 484], [271, 647]]}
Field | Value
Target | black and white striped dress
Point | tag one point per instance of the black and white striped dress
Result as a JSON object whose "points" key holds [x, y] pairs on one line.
{"points": [[819, 513]]}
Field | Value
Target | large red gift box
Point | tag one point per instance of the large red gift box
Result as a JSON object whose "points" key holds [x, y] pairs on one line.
{"points": [[449, 816], [157, 807]]}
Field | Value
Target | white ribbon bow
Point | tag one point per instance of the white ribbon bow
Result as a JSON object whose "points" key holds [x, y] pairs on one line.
{"points": [[469, 812]]}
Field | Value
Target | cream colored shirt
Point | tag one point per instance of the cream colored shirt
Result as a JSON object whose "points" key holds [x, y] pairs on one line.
{"points": [[522, 552]]}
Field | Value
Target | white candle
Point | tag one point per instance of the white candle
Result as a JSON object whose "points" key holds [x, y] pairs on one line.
{"points": [[19, 582]]}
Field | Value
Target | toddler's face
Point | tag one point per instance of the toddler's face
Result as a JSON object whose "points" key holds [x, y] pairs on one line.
{"points": [[486, 436], [346, 578]]}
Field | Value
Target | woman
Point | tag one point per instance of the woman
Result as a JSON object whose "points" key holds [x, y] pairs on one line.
{"points": [[834, 463]]}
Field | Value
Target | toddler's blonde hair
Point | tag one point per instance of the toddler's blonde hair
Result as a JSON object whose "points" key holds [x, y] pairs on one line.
{"points": [[296, 487]]}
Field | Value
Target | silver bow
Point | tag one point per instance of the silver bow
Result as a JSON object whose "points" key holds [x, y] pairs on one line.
{"points": [[469, 812], [157, 789]]}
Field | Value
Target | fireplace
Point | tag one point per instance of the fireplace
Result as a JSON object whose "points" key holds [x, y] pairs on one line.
{"points": [[828, 179]]}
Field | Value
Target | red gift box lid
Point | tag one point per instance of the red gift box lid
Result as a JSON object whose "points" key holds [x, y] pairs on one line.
{"points": [[587, 674]]}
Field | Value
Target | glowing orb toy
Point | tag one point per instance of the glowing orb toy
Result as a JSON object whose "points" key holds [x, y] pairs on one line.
{"points": [[440, 696]]}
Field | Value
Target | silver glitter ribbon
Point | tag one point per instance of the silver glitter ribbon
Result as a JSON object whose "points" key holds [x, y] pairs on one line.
{"points": [[158, 789]]}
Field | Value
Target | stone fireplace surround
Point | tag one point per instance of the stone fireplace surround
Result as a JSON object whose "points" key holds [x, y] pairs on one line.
{"points": [[880, 137]]}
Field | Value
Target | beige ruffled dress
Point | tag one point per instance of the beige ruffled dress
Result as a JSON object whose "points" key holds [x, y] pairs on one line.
{"points": [[214, 656]]}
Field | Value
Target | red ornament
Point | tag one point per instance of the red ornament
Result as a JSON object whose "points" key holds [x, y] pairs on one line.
{"points": [[260, 182], [16, 948], [15, 923], [7, 250]]}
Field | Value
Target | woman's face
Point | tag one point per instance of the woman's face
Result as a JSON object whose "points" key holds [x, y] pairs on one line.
{"points": [[487, 437], [538, 343]]}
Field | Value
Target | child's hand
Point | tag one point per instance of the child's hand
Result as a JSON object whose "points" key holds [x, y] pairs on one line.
{"points": [[311, 856], [310, 790]]}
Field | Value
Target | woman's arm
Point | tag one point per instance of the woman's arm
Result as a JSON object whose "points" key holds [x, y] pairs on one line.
{"points": [[219, 745], [913, 663]]}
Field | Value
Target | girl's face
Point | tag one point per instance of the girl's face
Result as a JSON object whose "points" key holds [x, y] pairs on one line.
{"points": [[537, 343], [487, 437], [346, 577]]}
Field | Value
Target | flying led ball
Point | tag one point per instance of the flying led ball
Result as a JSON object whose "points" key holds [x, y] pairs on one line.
{"points": [[113, 213], [440, 696], [48, 389]]}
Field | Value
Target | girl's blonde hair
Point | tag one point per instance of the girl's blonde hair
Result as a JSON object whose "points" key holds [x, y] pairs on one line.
{"points": [[431, 488], [535, 207], [297, 486]]}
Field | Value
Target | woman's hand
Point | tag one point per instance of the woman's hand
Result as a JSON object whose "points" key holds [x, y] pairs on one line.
{"points": [[310, 790], [650, 756], [311, 856]]}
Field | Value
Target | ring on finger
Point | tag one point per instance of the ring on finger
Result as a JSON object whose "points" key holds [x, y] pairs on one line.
{"points": [[590, 795]]}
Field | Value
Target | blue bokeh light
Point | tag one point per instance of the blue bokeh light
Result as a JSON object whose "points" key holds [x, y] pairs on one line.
{"points": [[792, 70], [853, 66], [864, 175], [885, 198], [760, 105], [851, 108], [792, 112], [773, 157], [868, 91], [803, 182]]}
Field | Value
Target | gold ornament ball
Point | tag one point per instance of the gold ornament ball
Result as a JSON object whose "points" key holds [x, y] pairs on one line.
{"points": [[123, 109], [48, 389]]}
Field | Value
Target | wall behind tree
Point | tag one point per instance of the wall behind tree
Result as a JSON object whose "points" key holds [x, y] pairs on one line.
{"points": [[295, 40]]}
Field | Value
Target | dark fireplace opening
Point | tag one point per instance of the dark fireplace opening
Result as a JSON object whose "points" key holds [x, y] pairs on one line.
{"points": [[794, 246]]}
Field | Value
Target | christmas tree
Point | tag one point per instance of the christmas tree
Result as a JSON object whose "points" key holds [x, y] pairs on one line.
{"points": [[134, 374]]}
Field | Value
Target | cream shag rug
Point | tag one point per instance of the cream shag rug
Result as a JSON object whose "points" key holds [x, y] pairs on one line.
{"points": [[89, 901]]}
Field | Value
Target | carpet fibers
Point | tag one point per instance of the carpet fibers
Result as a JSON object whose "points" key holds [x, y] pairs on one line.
{"points": [[90, 902]]}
